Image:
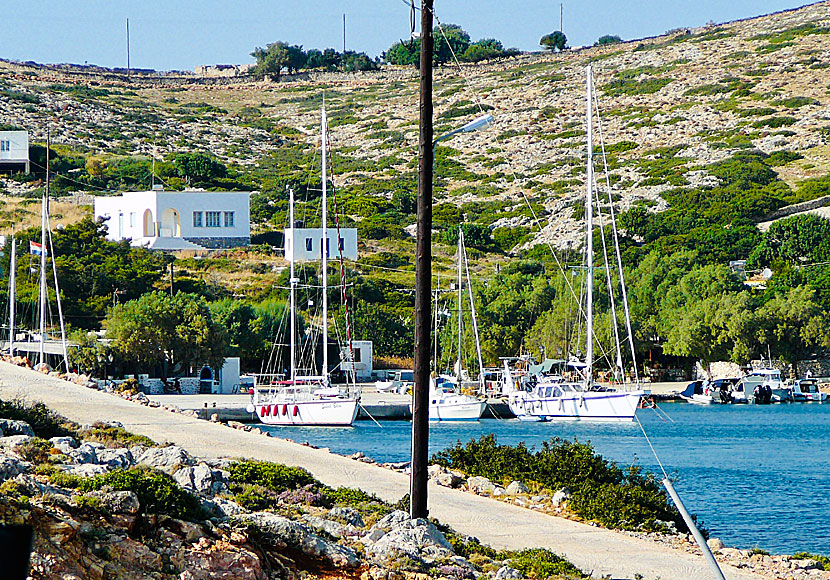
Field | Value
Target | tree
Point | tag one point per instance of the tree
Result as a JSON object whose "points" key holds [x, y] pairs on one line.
{"points": [[357, 61], [449, 39], [270, 60], [177, 333], [485, 49], [404, 53], [794, 325], [554, 41], [607, 39], [201, 168]]}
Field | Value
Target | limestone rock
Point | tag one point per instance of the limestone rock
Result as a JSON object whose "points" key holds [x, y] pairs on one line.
{"points": [[117, 502], [64, 444], [806, 564], [11, 441], [347, 515], [330, 527], [85, 453], [296, 536], [201, 479], [12, 427], [508, 573], [714, 544], [166, 458], [396, 535], [217, 561], [86, 469], [443, 476], [115, 458], [560, 497], [516, 488], [221, 508], [12, 467], [480, 484]]}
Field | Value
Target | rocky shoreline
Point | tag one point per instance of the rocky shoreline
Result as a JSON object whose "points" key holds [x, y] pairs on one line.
{"points": [[206, 477]]}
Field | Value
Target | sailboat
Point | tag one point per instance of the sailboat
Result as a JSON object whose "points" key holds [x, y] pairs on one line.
{"points": [[45, 249], [545, 397], [308, 399], [446, 401]]}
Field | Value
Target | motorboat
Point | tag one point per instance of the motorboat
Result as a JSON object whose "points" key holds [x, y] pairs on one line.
{"points": [[764, 385], [698, 393], [806, 391], [448, 403]]}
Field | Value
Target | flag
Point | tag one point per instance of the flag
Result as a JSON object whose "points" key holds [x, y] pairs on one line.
{"points": [[35, 248]]}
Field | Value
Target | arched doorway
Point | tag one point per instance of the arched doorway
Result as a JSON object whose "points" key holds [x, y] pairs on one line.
{"points": [[206, 380], [171, 226], [149, 228]]}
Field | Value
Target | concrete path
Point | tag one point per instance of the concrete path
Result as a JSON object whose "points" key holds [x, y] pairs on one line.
{"points": [[604, 553]]}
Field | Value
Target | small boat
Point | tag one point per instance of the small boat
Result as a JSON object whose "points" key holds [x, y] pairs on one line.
{"points": [[448, 403], [764, 385], [698, 393], [807, 391]]}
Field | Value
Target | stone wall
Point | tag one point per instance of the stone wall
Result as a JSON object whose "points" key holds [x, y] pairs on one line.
{"points": [[220, 243], [797, 208]]}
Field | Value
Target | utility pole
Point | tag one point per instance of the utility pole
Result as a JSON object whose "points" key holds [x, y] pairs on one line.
{"points": [[423, 278], [560, 17], [344, 34], [128, 48]]}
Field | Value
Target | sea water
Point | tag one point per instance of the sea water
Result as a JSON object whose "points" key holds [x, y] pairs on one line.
{"points": [[755, 475]]}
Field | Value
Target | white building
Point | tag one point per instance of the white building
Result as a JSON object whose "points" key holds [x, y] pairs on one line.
{"points": [[362, 351], [14, 150], [310, 243], [178, 220]]}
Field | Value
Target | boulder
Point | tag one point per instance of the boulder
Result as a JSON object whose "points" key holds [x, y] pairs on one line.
{"points": [[396, 535], [443, 476], [714, 544], [12, 427], [129, 552], [508, 573], [516, 488], [9, 442], [330, 527], [64, 444], [207, 560], [347, 515], [806, 564], [202, 478], [480, 484], [560, 498], [166, 458], [296, 536], [117, 502], [221, 508], [115, 458], [12, 467], [86, 469], [85, 453]]}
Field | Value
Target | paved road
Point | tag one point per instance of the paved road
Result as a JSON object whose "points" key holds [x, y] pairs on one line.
{"points": [[601, 552]]}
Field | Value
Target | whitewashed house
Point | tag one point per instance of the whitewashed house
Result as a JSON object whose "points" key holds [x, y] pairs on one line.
{"points": [[362, 365], [14, 151], [178, 220], [309, 243]]}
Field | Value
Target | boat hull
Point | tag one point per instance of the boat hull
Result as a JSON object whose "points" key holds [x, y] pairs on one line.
{"points": [[610, 406], [332, 412]]}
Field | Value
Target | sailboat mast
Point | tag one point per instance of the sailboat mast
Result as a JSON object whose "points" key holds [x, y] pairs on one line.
{"points": [[435, 324], [460, 313], [589, 238], [325, 250], [44, 209], [12, 292], [474, 320], [291, 281]]}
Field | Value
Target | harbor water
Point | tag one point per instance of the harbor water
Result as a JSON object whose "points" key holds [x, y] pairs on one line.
{"points": [[756, 476]]}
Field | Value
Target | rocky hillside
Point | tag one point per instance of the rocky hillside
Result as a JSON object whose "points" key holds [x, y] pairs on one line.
{"points": [[671, 105]]}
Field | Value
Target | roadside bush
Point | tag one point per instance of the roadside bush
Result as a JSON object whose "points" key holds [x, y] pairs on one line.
{"points": [[539, 564], [44, 422], [273, 476], [600, 490], [157, 492], [111, 436]]}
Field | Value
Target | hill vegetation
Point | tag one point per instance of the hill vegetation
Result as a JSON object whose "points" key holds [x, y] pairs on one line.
{"points": [[707, 133]]}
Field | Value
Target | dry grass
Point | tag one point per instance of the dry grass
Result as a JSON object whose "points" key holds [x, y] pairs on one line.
{"points": [[18, 214]]}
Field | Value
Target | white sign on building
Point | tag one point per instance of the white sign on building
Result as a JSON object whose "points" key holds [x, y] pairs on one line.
{"points": [[309, 244]]}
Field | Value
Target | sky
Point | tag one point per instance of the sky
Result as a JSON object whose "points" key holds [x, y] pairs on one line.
{"points": [[178, 35]]}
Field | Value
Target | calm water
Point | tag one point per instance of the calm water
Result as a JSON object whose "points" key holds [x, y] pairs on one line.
{"points": [[755, 475]]}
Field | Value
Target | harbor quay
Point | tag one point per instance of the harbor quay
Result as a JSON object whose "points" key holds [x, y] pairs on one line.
{"points": [[374, 405]]}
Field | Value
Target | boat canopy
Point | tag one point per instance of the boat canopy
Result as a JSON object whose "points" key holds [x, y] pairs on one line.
{"points": [[545, 366]]}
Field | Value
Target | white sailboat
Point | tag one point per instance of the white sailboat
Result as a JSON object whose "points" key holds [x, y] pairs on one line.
{"points": [[308, 400], [544, 397], [446, 400]]}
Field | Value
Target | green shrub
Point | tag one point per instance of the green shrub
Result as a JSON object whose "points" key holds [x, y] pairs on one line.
{"points": [[774, 122], [44, 422], [35, 450], [540, 564], [128, 386], [254, 497], [823, 561], [114, 436], [157, 492], [64, 479], [601, 491], [272, 476], [347, 496]]}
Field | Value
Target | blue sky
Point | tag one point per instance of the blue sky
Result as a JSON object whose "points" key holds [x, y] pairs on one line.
{"points": [[181, 34]]}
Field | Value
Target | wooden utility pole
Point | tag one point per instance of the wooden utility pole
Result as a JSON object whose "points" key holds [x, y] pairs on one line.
{"points": [[423, 278], [344, 34], [560, 17]]}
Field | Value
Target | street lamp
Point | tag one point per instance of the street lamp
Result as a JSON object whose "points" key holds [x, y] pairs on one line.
{"points": [[423, 272]]}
